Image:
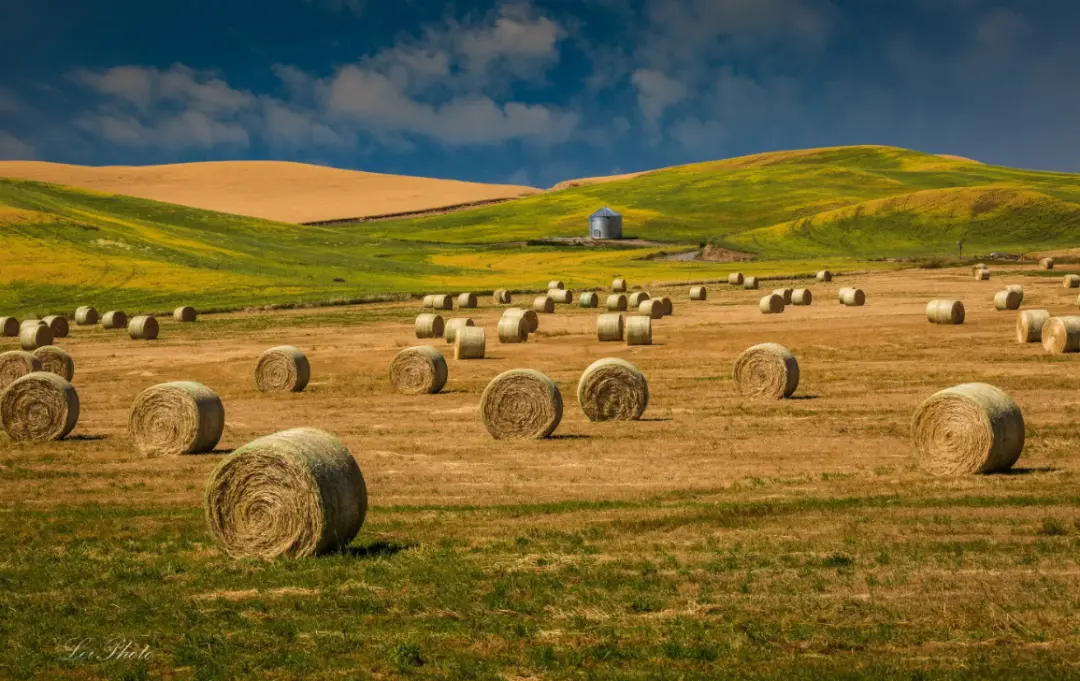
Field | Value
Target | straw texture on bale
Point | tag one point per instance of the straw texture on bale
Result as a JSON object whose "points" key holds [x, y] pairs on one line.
{"points": [[33, 336], [971, 428], [654, 308], [56, 361], [296, 493], [442, 301], [1061, 335], [1006, 300], [467, 301], [1046, 263], [767, 371], [555, 284], [589, 299], [771, 304], [39, 406], [561, 296], [784, 293], [452, 326], [824, 276], [544, 304], [609, 328], [1018, 288], [750, 284], [185, 313], [802, 296], [618, 286], [501, 297], [616, 302], [58, 325], [613, 389], [982, 275], [735, 279], [86, 316], [852, 297], [639, 330], [521, 404], [513, 329], [979, 266], [429, 302], [471, 343], [143, 327], [114, 319], [176, 418], [9, 327], [31, 322], [532, 320], [429, 325], [418, 370], [283, 369], [1071, 281], [945, 312], [698, 293], [636, 299], [1029, 325], [16, 364]]}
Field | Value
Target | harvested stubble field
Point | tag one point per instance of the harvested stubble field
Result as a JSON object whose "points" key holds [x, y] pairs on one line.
{"points": [[716, 538]]}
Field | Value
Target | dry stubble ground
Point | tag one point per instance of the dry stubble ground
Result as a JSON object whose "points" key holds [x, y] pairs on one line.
{"points": [[716, 538]]}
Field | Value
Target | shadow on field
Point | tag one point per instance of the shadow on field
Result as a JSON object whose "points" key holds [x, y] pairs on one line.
{"points": [[1029, 471], [804, 397], [86, 438], [378, 549], [569, 437], [655, 420]]}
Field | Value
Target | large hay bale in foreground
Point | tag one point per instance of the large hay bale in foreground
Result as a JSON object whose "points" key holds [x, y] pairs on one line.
{"points": [[501, 297], [618, 286], [467, 301], [114, 319], [1029, 325], [442, 301], [1061, 335], [824, 276], [544, 305], [418, 370], [555, 284], [982, 275], [9, 327], [283, 369], [58, 325], [182, 417], [1006, 300], [143, 327], [295, 493], [1018, 289], [616, 303], [613, 389], [561, 296], [56, 361], [452, 326], [39, 406], [86, 316], [766, 371], [945, 312], [1071, 281], [16, 364], [429, 325], [802, 297], [513, 329], [1046, 263], [639, 330], [853, 297], [532, 320], [521, 404], [609, 328], [185, 314], [33, 336], [589, 299], [971, 428], [654, 308], [636, 299], [750, 284], [771, 304], [698, 293], [784, 293], [471, 343], [735, 279]]}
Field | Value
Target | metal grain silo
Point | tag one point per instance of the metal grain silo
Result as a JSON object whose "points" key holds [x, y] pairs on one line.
{"points": [[605, 224]]}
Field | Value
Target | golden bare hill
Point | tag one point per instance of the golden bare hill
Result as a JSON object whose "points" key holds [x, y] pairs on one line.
{"points": [[274, 190]]}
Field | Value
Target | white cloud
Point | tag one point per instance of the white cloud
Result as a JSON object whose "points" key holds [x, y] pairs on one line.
{"points": [[14, 149], [656, 92]]}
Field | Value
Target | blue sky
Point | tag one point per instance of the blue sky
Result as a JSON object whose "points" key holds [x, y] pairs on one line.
{"points": [[535, 91]]}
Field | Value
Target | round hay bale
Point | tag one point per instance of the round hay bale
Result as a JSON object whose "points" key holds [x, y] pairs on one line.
{"points": [[555, 284], [185, 314], [544, 304], [513, 329], [636, 299], [58, 325], [429, 325], [1061, 335], [771, 304], [618, 286], [613, 389], [39, 406], [654, 308], [767, 371], [698, 293], [1029, 325], [561, 296], [1018, 288], [296, 493], [16, 364], [32, 323], [452, 326], [471, 343], [609, 328], [853, 297], [824, 276], [429, 302], [750, 284], [466, 301], [945, 312], [589, 299], [33, 336], [283, 369], [532, 320], [442, 301], [9, 327], [1046, 264], [183, 417], [114, 319], [971, 428], [143, 327], [1071, 281], [784, 293], [1006, 300], [501, 297], [735, 279], [85, 316], [639, 330], [418, 370], [669, 307], [982, 275], [802, 297], [56, 361], [521, 404], [616, 303]]}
